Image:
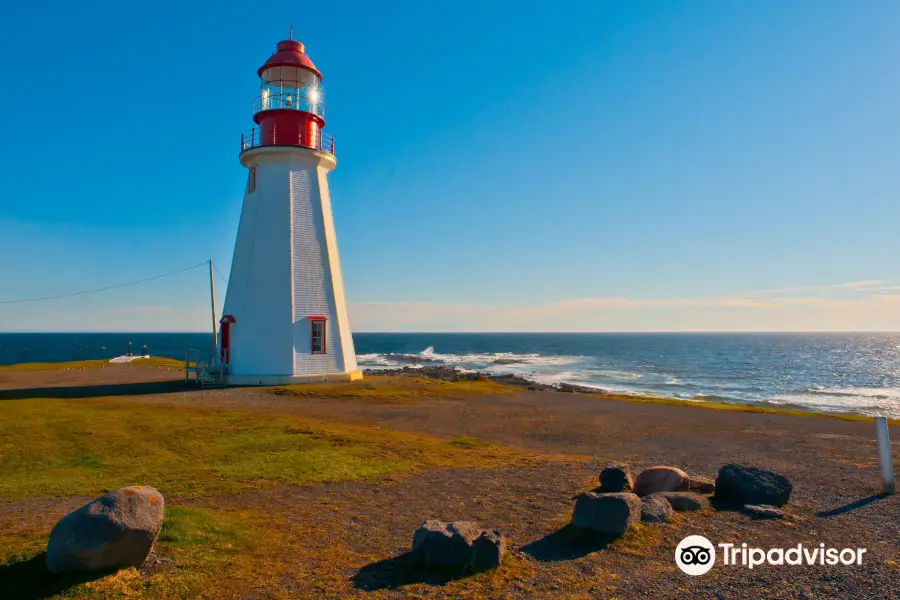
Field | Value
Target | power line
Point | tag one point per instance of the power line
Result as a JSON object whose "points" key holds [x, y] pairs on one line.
{"points": [[220, 273], [103, 289]]}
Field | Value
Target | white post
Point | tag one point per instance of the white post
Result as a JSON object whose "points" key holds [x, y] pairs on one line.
{"points": [[884, 455], [212, 300]]}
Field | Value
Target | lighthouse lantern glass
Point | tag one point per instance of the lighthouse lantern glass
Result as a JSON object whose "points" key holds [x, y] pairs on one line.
{"points": [[291, 88]]}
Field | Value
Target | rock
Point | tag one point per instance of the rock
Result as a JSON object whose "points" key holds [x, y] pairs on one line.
{"points": [[488, 550], [609, 514], [737, 484], [762, 511], [615, 478], [655, 509], [682, 501], [705, 485], [457, 544], [115, 530], [661, 479]]}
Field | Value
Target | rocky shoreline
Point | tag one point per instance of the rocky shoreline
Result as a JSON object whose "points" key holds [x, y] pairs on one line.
{"points": [[447, 373]]}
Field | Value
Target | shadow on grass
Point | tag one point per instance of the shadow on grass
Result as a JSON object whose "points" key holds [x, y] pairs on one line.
{"points": [[30, 580], [852, 506], [567, 543], [397, 572], [97, 391]]}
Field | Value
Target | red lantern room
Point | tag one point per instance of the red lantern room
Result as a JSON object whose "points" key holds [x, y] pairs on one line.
{"points": [[290, 110]]}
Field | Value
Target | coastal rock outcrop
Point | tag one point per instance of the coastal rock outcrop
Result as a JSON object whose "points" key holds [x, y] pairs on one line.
{"points": [[661, 479], [739, 484], [615, 478], [608, 514], [704, 485], [457, 544], [655, 509], [682, 501], [116, 530]]}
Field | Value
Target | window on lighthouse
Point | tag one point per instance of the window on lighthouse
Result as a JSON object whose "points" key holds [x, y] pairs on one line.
{"points": [[317, 327], [251, 180]]}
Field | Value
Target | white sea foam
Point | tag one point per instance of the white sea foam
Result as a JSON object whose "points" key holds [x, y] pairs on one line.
{"points": [[585, 371]]}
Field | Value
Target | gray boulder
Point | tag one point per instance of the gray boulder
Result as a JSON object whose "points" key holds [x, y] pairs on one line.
{"points": [[615, 478], [457, 544], [761, 511], [488, 550], [113, 531], [738, 484], [682, 501], [661, 479], [703, 485], [655, 509], [608, 514]]}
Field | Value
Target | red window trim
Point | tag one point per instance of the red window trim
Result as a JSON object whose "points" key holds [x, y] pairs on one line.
{"points": [[312, 347]]}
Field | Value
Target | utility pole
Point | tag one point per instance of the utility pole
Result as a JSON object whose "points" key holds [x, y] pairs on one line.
{"points": [[212, 300]]}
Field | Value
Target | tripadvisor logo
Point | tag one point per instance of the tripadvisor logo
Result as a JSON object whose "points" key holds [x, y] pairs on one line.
{"points": [[696, 555]]}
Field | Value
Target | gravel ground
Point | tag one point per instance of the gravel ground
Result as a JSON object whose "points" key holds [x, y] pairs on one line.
{"points": [[831, 462]]}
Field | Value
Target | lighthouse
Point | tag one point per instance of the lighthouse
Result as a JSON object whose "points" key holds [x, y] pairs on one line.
{"points": [[285, 315]]}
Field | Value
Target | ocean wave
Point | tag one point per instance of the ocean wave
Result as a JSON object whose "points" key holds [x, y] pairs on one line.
{"points": [[855, 392]]}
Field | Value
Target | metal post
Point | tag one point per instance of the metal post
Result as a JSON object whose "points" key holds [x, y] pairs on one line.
{"points": [[884, 455], [212, 300]]}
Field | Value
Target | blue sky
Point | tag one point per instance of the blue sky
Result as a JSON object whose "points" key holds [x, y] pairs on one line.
{"points": [[502, 166]]}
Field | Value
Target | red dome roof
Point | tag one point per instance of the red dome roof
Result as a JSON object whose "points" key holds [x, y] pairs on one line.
{"points": [[289, 54]]}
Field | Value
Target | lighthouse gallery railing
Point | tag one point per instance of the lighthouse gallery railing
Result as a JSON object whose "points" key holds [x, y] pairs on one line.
{"points": [[321, 142]]}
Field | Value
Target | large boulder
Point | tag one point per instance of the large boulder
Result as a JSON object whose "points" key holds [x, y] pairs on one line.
{"points": [[615, 478], [655, 509], [608, 514], [704, 485], [457, 544], [661, 479], [738, 484], [682, 501], [488, 550], [113, 531]]}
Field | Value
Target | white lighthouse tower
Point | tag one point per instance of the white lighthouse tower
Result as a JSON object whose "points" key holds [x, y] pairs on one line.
{"points": [[285, 315]]}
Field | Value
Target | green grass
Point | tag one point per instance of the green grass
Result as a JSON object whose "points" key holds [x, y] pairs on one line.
{"points": [[736, 407], [199, 459], [56, 366], [396, 389], [468, 442], [58, 447], [153, 361]]}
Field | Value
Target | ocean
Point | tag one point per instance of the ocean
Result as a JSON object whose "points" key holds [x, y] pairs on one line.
{"points": [[829, 372]]}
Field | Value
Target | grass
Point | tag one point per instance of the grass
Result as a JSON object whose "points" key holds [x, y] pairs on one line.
{"points": [[390, 390], [153, 361], [736, 407], [60, 447], [201, 460], [56, 366]]}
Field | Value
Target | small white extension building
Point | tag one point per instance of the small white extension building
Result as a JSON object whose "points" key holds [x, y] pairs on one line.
{"points": [[285, 315]]}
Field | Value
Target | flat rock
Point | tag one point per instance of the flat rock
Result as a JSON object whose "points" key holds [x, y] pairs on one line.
{"points": [[608, 514], [661, 479], [682, 501], [740, 485], [762, 511], [655, 509], [457, 544], [704, 485], [116, 530], [615, 478]]}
